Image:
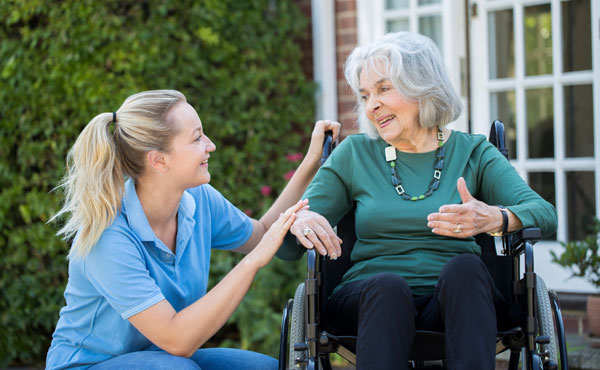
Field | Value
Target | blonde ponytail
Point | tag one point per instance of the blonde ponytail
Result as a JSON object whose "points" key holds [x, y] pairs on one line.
{"points": [[99, 161]]}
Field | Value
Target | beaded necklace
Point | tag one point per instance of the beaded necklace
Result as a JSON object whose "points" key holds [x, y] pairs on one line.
{"points": [[390, 156]]}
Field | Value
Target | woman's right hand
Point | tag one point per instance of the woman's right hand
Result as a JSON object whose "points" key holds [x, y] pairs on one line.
{"points": [[273, 238], [314, 231]]}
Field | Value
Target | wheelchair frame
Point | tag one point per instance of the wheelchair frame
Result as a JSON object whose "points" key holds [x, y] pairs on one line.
{"points": [[527, 291]]}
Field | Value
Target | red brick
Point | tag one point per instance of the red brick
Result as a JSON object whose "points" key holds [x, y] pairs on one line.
{"points": [[345, 49], [345, 14], [343, 5], [348, 116], [340, 72], [349, 127], [347, 91], [347, 99], [346, 39], [346, 31], [346, 107], [349, 21]]}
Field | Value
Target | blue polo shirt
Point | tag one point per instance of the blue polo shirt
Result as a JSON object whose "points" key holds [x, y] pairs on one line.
{"points": [[130, 269]]}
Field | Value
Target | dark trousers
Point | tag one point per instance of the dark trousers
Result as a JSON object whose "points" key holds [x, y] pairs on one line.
{"points": [[382, 311]]}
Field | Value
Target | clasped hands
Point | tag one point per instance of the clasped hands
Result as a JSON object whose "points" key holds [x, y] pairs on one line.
{"points": [[470, 218]]}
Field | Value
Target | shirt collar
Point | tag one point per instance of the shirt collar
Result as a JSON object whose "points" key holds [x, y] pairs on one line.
{"points": [[137, 220], [187, 205]]}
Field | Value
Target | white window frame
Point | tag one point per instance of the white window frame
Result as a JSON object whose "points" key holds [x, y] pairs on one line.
{"points": [[324, 59], [482, 86], [372, 18]]}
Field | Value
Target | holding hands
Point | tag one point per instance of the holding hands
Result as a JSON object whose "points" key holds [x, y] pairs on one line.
{"points": [[314, 231], [271, 241], [470, 218]]}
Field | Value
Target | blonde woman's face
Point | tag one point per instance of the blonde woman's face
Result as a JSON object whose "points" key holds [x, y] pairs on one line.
{"points": [[190, 149]]}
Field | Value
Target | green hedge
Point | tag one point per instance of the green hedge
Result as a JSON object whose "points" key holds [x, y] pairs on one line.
{"points": [[63, 62]]}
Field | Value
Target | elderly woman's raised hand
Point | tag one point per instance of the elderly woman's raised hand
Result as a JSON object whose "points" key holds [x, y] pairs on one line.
{"points": [[314, 231], [470, 218]]}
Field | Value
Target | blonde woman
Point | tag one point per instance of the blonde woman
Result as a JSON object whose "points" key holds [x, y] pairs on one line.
{"points": [[138, 266]]}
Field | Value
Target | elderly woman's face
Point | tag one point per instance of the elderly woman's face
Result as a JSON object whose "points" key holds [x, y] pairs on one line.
{"points": [[394, 116]]}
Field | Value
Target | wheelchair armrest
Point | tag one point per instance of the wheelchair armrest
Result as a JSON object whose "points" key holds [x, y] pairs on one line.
{"points": [[312, 263], [517, 240]]}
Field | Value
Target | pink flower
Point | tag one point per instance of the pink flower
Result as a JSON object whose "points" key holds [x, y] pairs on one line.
{"points": [[289, 175], [248, 212], [294, 157], [265, 190]]}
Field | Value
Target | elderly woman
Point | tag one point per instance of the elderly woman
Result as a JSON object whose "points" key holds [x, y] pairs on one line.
{"points": [[420, 192]]}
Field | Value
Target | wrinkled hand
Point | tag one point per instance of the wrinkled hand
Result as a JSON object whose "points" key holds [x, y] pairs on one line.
{"points": [[470, 218], [318, 135], [314, 231], [272, 239]]}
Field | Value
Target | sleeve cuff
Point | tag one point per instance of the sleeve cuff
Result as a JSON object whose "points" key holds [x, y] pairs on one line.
{"points": [[141, 306]]}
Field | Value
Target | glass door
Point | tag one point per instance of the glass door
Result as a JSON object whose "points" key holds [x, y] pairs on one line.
{"points": [[534, 65]]}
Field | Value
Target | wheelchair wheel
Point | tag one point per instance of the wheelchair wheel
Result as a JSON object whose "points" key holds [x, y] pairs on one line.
{"points": [[545, 319], [297, 327]]}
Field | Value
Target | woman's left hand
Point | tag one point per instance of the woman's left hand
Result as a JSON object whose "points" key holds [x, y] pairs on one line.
{"points": [[315, 150], [470, 218]]}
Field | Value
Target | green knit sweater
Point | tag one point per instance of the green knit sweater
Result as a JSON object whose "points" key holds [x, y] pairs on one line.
{"points": [[392, 233]]}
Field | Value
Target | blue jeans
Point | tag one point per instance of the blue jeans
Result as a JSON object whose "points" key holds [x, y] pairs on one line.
{"points": [[204, 359]]}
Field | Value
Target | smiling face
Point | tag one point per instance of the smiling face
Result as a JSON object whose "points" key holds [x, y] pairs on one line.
{"points": [[188, 155], [395, 117]]}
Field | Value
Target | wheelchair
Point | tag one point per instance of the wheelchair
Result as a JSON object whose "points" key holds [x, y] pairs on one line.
{"points": [[533, 331]]}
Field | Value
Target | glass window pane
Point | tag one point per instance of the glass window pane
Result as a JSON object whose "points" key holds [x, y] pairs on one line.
{"points": [[577, 35], [501, 44], [543, 184], [579, 119], [431, 26], [397, 4], [538, 40], [540, 122], [398, 25], [427, 2], [503, 108], [581, 203]]}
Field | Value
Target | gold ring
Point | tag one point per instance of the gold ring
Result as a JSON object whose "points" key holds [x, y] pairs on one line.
{"points": [[457, 230]]}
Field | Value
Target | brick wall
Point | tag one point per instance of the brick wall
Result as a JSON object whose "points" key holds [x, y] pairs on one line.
{"points": [[346, 40]]}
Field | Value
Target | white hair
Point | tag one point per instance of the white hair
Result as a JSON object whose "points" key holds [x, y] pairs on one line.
{"points": [[414, 65]]}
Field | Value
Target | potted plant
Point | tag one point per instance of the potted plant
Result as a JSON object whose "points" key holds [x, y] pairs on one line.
{"points": [[582, 258]]}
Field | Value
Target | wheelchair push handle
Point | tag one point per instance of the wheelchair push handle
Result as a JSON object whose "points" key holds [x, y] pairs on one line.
{"points": [[497, 137], [328, 146]]}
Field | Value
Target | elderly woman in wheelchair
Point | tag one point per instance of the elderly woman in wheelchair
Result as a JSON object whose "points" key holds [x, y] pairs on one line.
{"points": [[419, 192]]}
